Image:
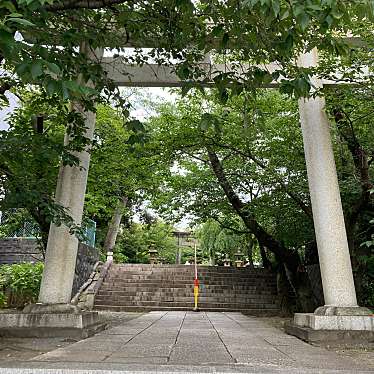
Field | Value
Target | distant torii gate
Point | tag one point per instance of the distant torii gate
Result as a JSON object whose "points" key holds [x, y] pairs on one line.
{"points": [[335, 263]]}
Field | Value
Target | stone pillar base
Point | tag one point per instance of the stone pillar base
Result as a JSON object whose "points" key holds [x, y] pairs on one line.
{"points": [[334, 322], [342, 327], [328, 310], [41, 324], [51, 308]]}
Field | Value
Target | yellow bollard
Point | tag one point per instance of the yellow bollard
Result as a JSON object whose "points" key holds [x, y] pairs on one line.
{"points": [[196, 285], [196, 294]]}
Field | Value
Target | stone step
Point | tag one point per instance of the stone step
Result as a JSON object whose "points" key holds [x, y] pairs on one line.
{"points": [[156, 304], [189, 270], [186, 298], [236, 272], [114, 281], [182, 292], [152, 286], [152, 275], [135, 308], [184, 304], [180, 278], [170, 287]]}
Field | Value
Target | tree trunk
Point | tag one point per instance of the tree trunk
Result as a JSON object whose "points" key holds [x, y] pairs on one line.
{"points": [[250, 251], [265, 261], [114, 225], [289, 258], [212, 259]]}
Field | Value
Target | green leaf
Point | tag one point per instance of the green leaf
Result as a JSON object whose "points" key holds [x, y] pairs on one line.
{"points": [[185, 89], [304, 21], [302, 87], [285, 15], [8, 5], [135, 125], [6, 37], [336, 14], [36, 69], [298, 10], [276, 7], [315, 7], [53, 68], [52, 87], [206, 121], [21, 21], [183, 71], [21, 68]]}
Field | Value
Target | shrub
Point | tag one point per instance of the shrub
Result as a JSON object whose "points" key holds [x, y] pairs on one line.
{"points": [[3, 298], [20, 284]]}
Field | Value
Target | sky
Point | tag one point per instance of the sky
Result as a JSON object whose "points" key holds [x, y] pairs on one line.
{"points": [[6, 110]]}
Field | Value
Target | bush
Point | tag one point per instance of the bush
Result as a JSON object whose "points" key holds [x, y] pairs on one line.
{"points": [[19, 284]]}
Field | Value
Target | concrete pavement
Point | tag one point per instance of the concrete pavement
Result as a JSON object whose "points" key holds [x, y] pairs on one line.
{"points": [[170, 342]]}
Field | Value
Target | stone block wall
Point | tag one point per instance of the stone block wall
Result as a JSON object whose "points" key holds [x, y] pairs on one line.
{"points": [[314, 274], [86, 259], [16, 250]]}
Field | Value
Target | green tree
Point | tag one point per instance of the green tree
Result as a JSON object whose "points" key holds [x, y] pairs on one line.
{"points": [[136, 239], [246, 160], [216, 242], [30, 152], [208, 237], [122, 173]]}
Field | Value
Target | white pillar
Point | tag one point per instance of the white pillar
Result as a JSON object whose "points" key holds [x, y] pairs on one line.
{"points": [[62, 247], [333, 251]]}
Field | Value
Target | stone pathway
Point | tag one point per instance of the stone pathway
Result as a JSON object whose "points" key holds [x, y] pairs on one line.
{"points": [[191, 342]]}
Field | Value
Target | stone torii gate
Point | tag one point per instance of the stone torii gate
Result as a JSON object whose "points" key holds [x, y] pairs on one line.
{"points": [[341, 311]]}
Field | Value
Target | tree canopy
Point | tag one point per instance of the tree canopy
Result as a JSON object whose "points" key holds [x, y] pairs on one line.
{"points": [[40, 39]]}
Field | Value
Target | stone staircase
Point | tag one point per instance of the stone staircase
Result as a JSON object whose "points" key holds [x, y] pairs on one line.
{"points": [[143, 287]]}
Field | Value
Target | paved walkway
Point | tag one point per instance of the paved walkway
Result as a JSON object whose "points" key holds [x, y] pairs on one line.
{"points": [[191, 342]]}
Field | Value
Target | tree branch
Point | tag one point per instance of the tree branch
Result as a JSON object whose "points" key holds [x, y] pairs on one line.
{"points": [[82, 4], [227, 227], [305, 208], [5, 87], [242, 210]]}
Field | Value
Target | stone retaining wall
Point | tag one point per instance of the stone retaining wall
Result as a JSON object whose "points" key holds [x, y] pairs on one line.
{"points": [[314, 274], [86, 259], [16, 250]]}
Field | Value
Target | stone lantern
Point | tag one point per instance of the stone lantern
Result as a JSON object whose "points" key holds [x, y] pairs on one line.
{"points": [[238, 259], [153, 252], [227, 261], [109, 256]]}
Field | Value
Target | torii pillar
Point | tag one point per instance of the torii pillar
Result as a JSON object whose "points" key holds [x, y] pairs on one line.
{"points": [[54, 315], [62, 247], [340, 311]]}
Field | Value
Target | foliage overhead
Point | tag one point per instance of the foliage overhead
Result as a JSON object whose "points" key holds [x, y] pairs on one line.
{"points": [[39, 40]]}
